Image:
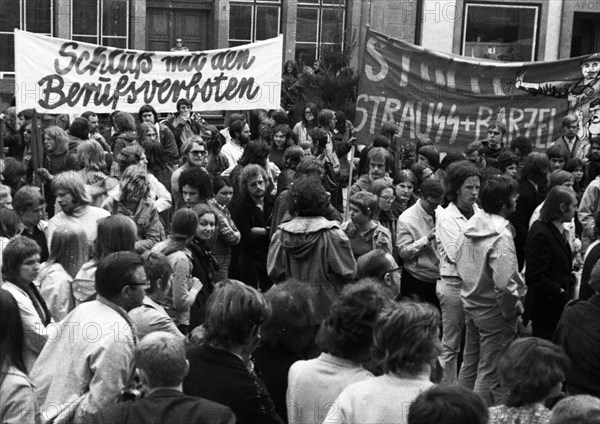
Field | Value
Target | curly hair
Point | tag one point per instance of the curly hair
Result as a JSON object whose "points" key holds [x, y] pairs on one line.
{"points": [[134, 183], [347, 332], [199, 179], [406, 338], [310, 197], [123, 121], [130, 155], [529, 368]]}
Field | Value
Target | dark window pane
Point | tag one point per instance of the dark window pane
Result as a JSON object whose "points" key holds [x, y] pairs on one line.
{"points": [[114, 42], [85, 17], [7, 53], [114, 17], [88, 39], [9, 15], [237, 43], [267, 22], [37, 15], [308, 1], [240, 21], [332, 30], [335, 2], [306, 29], [501, 32], [306, 54]]}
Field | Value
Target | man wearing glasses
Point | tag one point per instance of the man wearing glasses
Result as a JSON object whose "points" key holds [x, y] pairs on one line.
{"points": [[494, 145], [88, 359], [179, 47]]}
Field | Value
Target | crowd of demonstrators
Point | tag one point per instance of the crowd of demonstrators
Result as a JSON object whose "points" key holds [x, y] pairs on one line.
{"points": [[409, 301]]}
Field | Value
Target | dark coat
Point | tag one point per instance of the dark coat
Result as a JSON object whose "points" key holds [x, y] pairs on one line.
{"points": [[529, 199], [222, 377], [166, 407], [548, 274]]}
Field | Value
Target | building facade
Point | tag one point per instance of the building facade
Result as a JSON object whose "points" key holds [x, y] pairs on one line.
{"points": [[513, 30]]}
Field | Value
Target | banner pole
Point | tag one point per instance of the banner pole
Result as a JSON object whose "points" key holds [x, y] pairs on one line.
{"points": [[347, 206]]}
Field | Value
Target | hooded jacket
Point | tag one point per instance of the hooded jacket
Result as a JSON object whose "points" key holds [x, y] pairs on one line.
{"points": [[486, 261], [316, 251]]}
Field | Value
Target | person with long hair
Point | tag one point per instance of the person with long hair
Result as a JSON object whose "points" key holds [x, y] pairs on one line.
{"points": [[281, 139], [126, 136], [216, 162], [185, 287], [303, 128], [18, 403], [10, 226], [405, 349], [20, 267], [193, 155], [134, 202], [532, 370], [29, 204], [549, 263], [116, 233], [157, 164], [404, 183], [164, 136], [68, 254], [94, 170], [228, 235]]}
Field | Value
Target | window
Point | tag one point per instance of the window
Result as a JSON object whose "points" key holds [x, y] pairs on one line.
{"points": [[506, 32], [104, 22], [28, 15], [320, 26], [253, 20]]}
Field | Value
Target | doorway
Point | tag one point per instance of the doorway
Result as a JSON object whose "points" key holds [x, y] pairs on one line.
{"points": [[193, 26]]}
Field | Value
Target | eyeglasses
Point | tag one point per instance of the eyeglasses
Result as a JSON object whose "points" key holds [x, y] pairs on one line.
{"points": [[198, 152], [308, 112], [389, 199]]}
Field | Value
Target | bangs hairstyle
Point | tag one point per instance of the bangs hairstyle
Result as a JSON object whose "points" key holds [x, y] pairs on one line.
{"points": [[347, 332], [379, 185], [530, 368], [69, 248], [406, 338], [187, 147], [17, 250], [202, 209], [290, 324], [432, 154], [218, 183], [234, 312], [134, 182], [496, 192], [366, 202], [10, 223], [116, 233], [551, 209], [161, 356], [197, 178], [143, 130], [558, 178], [91, 155], [157, 267], [60, 137], [405, 175], [456, 174], [73, 184]]}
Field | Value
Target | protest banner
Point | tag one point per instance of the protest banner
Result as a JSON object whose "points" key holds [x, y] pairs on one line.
{"points": [[65, 76], [451, 99]]}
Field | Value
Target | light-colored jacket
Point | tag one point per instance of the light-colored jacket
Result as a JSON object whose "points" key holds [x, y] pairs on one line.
{"points": [[486, 261], [18, 405], [55, 288]]}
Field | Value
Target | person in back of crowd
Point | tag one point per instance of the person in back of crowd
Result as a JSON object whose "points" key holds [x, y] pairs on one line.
{"points": [[151, 316], [532, 189], [134, 202], [311, 248], [282, 138], [95, 135], [285, 338], [363, 163], [116, 233], [216, 162], [380, 165], [68, 254], [383, 189], [10, 226], [240, 137], [164, 135], [463, 182], [549, 262], [13, 142], [74, 201], [363, 231], [183, 126], [92, 376], [422, 172], [252, 216], [157, 165], [14, 174], [415, 241], [558, 156], [404, 190], [303, 128], [79, 131], [579, 409], [577, 168], [292, 157], [18, 403], [486, 262], [448, 405], [521, 146], [228, 235], [473, 155], [193, 155], [494, 144], [508, 164], [381, 266], [94, 170], [590, 201], [429, 155], [405, 348], [533, 371], [578, 332], [29, 204], [326, 152], [231, 117], [220, 368], [5, 197], [126, 136], [185, 287], [161, 365], [20, 267], [346, 338], [574, 146]]}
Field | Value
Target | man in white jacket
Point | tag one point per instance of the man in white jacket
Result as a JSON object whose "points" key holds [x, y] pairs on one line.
{"points": [[486, 262]]}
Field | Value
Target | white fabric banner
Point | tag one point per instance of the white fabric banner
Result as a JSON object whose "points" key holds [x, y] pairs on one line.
{"points": [[65, 76]]}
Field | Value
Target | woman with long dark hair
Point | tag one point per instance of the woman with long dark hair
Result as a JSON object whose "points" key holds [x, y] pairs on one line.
{"points": [[18, 403], [308, 123]]}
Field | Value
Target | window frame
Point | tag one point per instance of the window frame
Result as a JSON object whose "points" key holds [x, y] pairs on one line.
{"points": [[322, 5], [100, 25], [254, 5]]}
